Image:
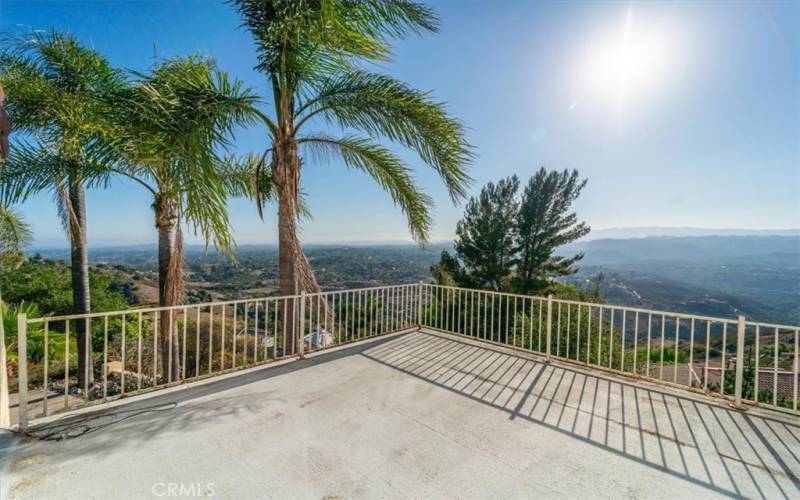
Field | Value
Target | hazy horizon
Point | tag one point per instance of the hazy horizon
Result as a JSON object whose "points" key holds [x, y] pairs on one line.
{"points": [[603, 233]]}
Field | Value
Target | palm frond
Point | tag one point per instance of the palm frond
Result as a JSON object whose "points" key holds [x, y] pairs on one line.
{"points": [[301, 40], [15, 233], [58, 88], [177, 119], [387, 169], [35, 167], [383, 106]]}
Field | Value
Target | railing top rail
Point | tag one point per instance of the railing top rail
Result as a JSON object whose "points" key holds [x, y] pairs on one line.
{"points": [[181, 307], [772, 325], [671, 314], [537, 297]]}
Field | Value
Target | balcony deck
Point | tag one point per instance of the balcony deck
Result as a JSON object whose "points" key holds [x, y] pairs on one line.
{"points": [[412, 415]]}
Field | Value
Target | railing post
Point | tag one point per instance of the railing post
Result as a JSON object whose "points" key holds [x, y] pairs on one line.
{"points": [[737, 392], [301, 324], [419, 305], [549, 323], [22, 378]]}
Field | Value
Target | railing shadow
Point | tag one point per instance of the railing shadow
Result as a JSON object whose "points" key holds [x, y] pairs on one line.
{"points": [[707, 443], [733, 453]]}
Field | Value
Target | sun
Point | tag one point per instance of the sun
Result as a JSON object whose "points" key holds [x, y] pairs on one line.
{"points": [[627, 63]]}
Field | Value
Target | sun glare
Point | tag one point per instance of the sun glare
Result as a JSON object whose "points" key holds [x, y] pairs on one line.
{"points": [[627, 63]]}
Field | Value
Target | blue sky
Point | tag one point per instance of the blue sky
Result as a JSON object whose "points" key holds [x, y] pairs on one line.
{"points": [[679, 113]]}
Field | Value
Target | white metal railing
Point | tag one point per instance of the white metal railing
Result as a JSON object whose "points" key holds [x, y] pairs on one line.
{"points": [[729, 357], [137, 350]]}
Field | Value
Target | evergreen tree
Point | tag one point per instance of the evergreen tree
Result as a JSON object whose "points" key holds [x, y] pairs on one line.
{"points": [[508, 243], [485, 247], [545, 223]]}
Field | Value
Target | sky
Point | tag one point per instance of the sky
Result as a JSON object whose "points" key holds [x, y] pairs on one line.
{"points": [[677, 113]]}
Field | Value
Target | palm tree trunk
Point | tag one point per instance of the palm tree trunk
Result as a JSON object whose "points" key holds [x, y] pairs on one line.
{"points": [[170, 284], [286, 175], [81, 298]]}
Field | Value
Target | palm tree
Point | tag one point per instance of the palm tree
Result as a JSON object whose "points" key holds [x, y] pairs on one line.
{"points": [[310, 51], [62, 94], [174, 122]]}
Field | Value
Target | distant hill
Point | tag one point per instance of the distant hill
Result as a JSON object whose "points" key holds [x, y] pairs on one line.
{"points": [[692, 248], [758, 276], [647, 231]]}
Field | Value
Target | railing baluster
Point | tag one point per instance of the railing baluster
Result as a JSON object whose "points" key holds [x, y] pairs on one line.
{"points": [[549, 326], [757, 377], [578, 334], [724, 349], [507, 318], [124, 359], [663, 334], [285, 327], [677, 348], [66, 364], [197, 346], [691, 351], [138, 355], [155, 349], [558, 331], [569, 318], [708, 350], [514, 323], [46, 362], [541, 307], [775, 356], [211, 339], [622, 342], [599, 336], [183, 354], [245, 318], [589, 335], [169, 347], [611, 312], [22, 372], [222, 337], [87, 346], [485, 316], [105, 358], [739, 373], [472, 313], [530, 327]]}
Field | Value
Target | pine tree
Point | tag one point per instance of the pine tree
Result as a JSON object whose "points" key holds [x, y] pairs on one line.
{"points": [[545, 223], [485, 247], [508, 243]]}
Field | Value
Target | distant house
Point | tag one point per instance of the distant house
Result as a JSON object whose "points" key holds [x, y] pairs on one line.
{"points": [[768, 378]]}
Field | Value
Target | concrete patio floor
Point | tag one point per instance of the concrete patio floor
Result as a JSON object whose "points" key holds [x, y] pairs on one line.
{"points": [[412, 415]]}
